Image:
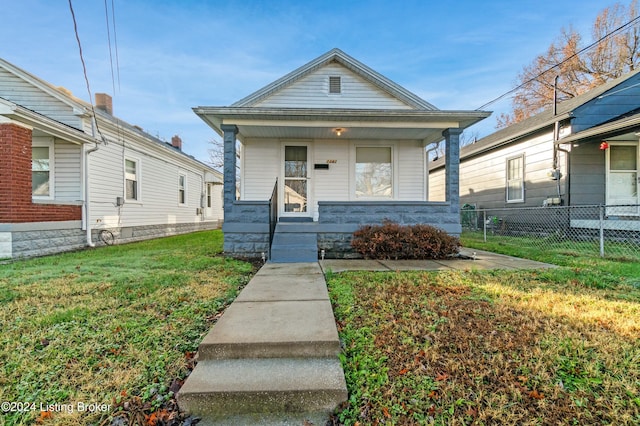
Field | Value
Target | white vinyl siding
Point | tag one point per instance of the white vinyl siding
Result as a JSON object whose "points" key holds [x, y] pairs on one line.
{"points": [[24, 93], [260, 168], [68, 166], [515, 179], [313, 91]]}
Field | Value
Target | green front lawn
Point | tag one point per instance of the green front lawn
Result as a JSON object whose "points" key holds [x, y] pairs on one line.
{"points": [[490, 347], [116, 327]]}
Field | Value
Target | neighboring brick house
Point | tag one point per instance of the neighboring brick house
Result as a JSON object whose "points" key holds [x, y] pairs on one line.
{"points": [[72, 177]]}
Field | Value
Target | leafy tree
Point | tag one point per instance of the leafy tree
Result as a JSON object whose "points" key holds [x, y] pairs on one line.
{"points": [[613, 53]]}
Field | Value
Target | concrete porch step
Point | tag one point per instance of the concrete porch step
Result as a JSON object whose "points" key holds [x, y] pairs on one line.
{"points": [[292, 247], [218, 390]]}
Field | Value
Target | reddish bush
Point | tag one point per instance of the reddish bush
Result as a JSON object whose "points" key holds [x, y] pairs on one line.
{"points": [[393, 241]]}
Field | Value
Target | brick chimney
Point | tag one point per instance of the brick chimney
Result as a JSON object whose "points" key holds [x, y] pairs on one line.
{"points": [[104, 103], [176, 142]]}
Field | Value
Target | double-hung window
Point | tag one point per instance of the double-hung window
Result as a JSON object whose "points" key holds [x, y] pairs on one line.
{"points": [[182, 189], [42, 171], [515, 179], [132, 181], [374, 172]]}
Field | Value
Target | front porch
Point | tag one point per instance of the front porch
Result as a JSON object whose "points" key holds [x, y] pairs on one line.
{"points": [[254, 229]]}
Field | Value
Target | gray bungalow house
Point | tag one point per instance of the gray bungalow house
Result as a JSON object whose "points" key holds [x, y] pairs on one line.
{"points": [[586, 152], [325, 149]]}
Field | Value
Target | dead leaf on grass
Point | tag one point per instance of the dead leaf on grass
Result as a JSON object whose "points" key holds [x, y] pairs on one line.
{"points": [[536, 395]]}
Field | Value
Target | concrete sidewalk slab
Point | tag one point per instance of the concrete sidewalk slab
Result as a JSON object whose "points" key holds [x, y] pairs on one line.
{"points": [[469, 259], [273, 329], [413, 265], [271, 288]]}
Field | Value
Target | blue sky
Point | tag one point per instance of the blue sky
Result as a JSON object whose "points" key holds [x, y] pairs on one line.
{"points": [[174, 55]]}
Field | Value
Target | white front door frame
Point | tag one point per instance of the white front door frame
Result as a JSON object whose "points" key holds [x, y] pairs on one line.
{"points": [[284, 195]]}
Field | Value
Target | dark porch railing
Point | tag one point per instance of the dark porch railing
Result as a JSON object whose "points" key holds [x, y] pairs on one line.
{"points": [[273, 214]]}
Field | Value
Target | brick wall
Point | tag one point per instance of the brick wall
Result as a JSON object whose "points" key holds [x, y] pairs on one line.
{"points": [[15, 182]]}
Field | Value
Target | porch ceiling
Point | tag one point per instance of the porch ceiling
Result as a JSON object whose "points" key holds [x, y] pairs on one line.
{"points": [[423, 125]]}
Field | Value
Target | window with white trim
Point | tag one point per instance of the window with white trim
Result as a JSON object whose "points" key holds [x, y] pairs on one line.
{"points": [[42, 171], [182, 189], [132, 179], [374, 173], [515, 179]]}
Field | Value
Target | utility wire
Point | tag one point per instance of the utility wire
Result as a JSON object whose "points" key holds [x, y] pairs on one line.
{"points": [[106, 15], [115, 40], [84, 69], [560, 63]]}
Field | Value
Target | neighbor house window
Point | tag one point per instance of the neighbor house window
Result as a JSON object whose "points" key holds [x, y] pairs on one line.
{"points": [[515, 179], [41, 171], [132, 181], [373, 172], [335, 85], [182, 189]]}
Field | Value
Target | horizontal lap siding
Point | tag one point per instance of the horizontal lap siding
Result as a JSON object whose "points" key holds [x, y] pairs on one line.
{"points": [[158, 203], [331, 184], [68, 181], [261, 168], [23, 93], [483, 178], [410, 171], [312, 91]]}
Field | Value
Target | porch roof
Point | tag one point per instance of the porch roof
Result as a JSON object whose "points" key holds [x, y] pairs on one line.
{"points": [[321, 123]]}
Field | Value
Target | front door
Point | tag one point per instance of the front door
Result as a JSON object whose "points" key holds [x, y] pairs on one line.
{"points": [[622, 179], [295, 178]]}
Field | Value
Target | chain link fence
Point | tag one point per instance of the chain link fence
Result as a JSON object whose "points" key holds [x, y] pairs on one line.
{"points": [[610, 231]]}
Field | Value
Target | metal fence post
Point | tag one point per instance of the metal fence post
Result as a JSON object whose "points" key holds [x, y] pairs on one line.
{"points": [[601, 231], [484, 224]]}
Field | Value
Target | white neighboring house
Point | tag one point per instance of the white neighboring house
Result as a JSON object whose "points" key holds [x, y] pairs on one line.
{"points": [[71, 179]]}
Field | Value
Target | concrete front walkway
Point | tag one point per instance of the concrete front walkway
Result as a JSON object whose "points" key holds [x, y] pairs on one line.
{"points": [[272, 358], [470, 259]]}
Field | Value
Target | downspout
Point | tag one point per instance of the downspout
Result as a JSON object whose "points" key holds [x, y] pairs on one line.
{"points": [[90, 242], [426, 169]]}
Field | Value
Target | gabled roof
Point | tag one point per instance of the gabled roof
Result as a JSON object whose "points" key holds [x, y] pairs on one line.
{"points": [[337, 55], [537, 122], [80, 108]]}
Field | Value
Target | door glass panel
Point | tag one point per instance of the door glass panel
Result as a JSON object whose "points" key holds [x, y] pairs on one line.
{"points": [[295, 161], [623, 157], [295, 195]]}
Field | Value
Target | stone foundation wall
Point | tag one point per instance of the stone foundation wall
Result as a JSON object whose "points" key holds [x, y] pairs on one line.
{"points": [[339, 220], [131, 234], [246, 229], [40, 238]]}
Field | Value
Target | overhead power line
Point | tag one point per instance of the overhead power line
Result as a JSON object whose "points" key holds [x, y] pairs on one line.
{"points": [[84, 69], [620, 28]]}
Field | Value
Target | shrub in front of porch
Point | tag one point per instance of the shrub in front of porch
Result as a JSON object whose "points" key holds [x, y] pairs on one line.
{"points": [[393, 241]]}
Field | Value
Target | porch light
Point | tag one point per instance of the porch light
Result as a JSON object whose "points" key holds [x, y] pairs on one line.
{"points": [[604, 145], [338, 131]]}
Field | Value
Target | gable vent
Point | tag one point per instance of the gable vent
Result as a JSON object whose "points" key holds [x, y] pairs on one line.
{"points": [[335, 84]]}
